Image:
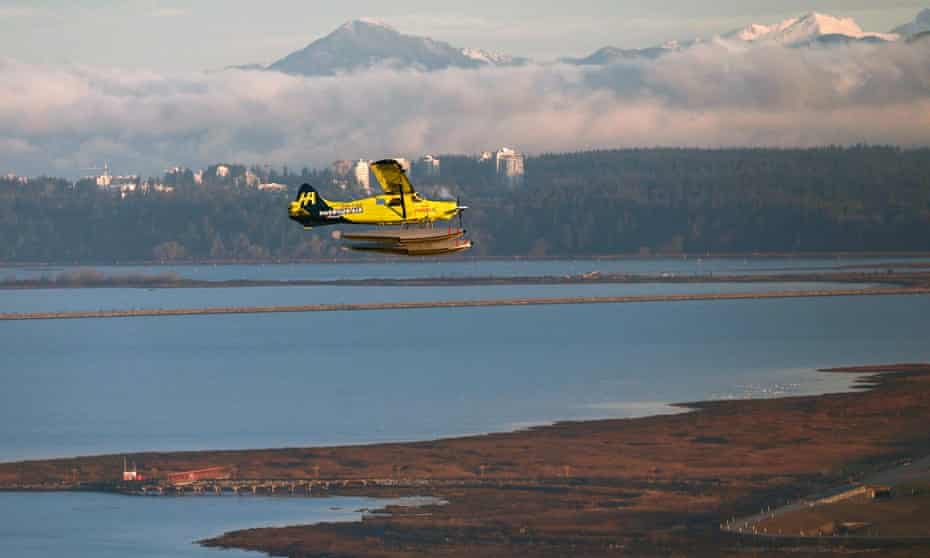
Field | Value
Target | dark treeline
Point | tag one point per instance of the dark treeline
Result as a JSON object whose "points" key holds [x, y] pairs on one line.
{"points": [[857, 199], [594, 203]]}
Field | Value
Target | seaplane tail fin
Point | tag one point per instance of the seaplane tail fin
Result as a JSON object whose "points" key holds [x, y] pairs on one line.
{"points": [[308, 198]]}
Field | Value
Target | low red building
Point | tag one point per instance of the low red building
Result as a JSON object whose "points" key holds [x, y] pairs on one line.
{"points": [[131, 474]]}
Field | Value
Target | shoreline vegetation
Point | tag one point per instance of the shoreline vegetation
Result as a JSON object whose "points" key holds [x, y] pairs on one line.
{"points": [[631, 201], [654, 486]]}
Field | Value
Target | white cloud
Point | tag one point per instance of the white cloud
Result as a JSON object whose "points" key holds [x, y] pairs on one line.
{"points": [[72, 117]]}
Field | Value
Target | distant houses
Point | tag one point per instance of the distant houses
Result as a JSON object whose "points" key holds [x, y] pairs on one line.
{"points": [[126, 184], [506, 163]]}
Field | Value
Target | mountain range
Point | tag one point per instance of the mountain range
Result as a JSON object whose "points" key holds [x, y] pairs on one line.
{"points": [[813, 29], [366, 43]]}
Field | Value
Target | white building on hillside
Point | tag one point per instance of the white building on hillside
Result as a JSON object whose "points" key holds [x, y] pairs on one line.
{"points": [[510, 165], [123, 184], [361, 174], [430, 165], [104, 180]]}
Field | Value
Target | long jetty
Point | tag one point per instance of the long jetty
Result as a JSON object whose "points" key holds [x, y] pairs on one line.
{"points": [[155, 312], [275, 487]]}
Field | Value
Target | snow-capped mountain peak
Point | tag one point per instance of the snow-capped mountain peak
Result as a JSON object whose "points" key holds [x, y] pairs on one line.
{"points": [[757, 31], [371, 21], [805, 29], [368, 43], [363, 22], [491, 58]]}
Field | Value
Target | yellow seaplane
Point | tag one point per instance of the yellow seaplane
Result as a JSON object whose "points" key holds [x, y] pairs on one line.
{"points": [[405, 219]]}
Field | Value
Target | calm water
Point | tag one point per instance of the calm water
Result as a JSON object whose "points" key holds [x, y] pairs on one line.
{"points": [[99, 386], [84, 525]]}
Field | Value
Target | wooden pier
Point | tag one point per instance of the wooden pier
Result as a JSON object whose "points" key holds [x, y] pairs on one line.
{"points": [[259, 487]]}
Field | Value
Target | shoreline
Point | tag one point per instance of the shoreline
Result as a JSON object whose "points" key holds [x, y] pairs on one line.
{"points": [[657, 485]]}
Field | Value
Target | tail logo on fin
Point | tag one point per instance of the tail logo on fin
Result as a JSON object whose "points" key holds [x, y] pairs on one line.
{"points": [[306, 198]]}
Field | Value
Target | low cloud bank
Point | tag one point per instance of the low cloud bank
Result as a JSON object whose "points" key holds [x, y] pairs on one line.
{"points": [[62, 119]]}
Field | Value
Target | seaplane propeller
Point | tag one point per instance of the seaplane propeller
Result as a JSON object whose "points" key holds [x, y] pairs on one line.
{"points": [[461, 208]]}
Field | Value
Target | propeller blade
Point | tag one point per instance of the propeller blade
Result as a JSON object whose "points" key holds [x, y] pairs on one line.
{"points": [[458, 204]]}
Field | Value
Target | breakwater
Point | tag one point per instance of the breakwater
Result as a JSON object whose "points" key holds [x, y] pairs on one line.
{"points": [[155, 312], [92, 279]]}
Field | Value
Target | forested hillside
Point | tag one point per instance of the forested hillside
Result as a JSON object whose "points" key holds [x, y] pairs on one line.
{"points": [[594, 203]]}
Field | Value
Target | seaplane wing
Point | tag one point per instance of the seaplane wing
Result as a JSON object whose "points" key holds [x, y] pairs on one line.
{"points": [[391, 176]]}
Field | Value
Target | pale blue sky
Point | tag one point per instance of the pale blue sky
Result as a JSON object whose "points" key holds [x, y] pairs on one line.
{"points": [[210, 34]]}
